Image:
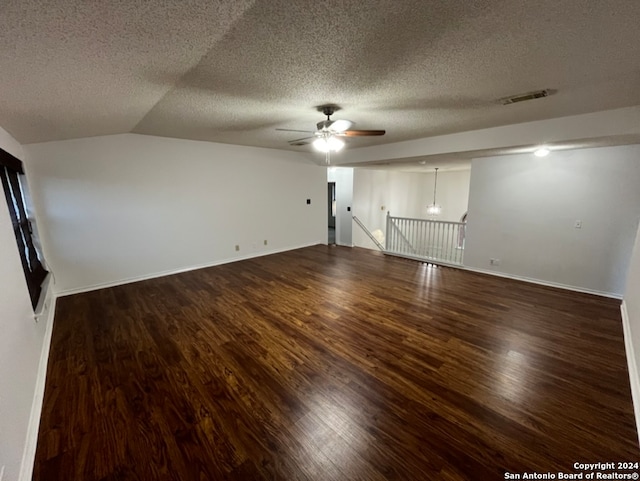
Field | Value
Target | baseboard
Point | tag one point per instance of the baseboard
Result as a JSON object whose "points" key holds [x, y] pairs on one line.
{"points": [[584, 290], [29, 454], [129, 280], [634, 369]]}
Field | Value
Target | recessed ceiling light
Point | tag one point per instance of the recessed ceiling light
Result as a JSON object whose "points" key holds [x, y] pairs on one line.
{"points": [[541, 152]]}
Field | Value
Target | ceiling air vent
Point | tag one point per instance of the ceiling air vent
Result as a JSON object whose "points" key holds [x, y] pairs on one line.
{"points": [[538, 94]]}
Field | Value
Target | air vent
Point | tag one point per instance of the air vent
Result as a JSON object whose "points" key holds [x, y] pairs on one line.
{"points": [[538, 94]]}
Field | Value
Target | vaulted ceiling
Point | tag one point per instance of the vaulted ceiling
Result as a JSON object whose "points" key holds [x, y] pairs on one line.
{"points": [[233, 71]]}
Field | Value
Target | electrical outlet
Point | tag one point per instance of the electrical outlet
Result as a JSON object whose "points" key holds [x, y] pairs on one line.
{"points": [[494, 262], [237, 247], [265, 242]]}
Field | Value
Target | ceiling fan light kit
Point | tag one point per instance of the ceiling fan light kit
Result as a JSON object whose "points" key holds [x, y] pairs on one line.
{"points": [[326, 137], [328, 144]]}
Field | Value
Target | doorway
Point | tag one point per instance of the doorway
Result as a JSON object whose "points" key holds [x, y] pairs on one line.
{"points": [[331, 211]]}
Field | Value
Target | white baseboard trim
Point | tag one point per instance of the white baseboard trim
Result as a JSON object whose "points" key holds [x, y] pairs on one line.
{"points": [[584, 290], [29, 454], [129, 280], [634, 369]]}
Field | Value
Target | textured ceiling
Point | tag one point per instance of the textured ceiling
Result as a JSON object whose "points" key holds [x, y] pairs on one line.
{"points": [[234, 71]]}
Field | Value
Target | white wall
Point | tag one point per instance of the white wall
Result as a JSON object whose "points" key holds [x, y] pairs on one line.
{"points": [[21, 343], [343, 177], [405, 195], [125, 207], [631, 319], [522, 211]]}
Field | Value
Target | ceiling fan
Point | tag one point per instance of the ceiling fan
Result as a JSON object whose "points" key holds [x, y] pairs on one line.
{"points": [[326, 138]]}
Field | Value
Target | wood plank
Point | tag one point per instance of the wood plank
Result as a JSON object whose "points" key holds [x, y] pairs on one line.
{"points": [[329, 363]]}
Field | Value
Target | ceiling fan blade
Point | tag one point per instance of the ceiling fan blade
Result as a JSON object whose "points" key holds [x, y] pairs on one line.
{"points": [[334, 125], [341, 125], [361, 133], [291, 130], [301, 141]]}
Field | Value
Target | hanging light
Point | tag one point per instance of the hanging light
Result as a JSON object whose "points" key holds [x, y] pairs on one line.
{"points": [[434, 209]]}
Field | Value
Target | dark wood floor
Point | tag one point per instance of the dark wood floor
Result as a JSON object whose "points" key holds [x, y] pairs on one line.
{"points": [[329, 363]]}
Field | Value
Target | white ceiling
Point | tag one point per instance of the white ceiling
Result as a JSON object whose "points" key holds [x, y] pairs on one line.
{"points": [[233, 71]]}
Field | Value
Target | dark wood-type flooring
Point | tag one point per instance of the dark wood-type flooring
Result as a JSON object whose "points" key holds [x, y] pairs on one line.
{"points": [[328, 363]]}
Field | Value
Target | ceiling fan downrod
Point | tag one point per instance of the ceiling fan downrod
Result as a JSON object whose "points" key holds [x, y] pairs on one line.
{"points": [[328, 111]]}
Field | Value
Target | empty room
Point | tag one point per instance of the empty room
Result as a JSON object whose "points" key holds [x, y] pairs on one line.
{"points": [[268, 240]]}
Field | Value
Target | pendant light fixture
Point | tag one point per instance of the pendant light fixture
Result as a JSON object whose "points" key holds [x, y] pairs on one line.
{"points": [[434, 209]]}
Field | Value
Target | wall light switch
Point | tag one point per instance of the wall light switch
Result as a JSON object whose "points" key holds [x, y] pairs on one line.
{"points": [[577, 224]]}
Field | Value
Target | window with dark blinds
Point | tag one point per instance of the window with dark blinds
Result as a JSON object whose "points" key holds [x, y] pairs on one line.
{"points": [[11, 174]]}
